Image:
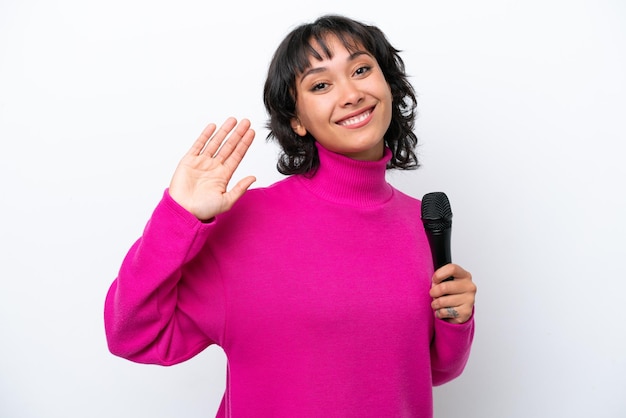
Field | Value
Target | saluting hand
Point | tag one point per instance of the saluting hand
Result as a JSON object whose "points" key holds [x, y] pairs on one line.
{"points": [[200, 181]]}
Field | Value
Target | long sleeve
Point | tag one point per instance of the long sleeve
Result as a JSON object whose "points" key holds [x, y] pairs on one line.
{"points": [[152, 308], [450, 349]]}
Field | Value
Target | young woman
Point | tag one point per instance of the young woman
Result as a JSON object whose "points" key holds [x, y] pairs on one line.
{"points": [[319, 288]]}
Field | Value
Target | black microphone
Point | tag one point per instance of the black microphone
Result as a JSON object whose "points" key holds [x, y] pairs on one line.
{"points": [[437, 220]]}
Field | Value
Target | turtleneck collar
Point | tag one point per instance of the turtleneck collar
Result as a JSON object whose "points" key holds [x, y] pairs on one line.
{"points": [[342, 180]]}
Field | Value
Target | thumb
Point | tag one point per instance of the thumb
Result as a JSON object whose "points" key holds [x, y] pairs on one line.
{"points": [[240, 188]]}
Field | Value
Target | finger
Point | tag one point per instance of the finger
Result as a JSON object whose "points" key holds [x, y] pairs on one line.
{"points": [[454, 315], [240, 150], [454, 287], [214, 141], [443, 288], [240, 188], [448, 313], [200, 143], [452, 300], [233, 140], [444, 273], [450, 271]]}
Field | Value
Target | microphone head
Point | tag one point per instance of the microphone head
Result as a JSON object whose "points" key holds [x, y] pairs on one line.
{"points": [[436, 212]]}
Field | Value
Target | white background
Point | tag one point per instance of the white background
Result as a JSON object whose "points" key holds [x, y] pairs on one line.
{"points": [[522, 113]]}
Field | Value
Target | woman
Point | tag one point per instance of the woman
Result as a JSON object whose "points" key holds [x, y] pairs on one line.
{"points": [[319, 288]]}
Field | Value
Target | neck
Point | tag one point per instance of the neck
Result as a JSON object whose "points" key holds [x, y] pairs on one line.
{"points": [[343, 180]]}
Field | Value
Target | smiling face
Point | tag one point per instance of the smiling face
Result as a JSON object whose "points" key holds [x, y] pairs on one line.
{"points": [[344, 102]]}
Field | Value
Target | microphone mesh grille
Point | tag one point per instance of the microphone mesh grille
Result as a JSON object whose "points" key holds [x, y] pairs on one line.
{"points": [[436, 211]]}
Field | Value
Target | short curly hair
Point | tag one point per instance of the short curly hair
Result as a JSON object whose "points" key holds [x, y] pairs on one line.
{"points": [[299, 154]]}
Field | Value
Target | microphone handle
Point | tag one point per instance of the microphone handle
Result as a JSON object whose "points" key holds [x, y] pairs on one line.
{"points": [[439, 242]]}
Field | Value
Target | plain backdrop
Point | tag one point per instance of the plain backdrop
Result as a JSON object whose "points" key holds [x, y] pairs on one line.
{"points": [[522, 117]]}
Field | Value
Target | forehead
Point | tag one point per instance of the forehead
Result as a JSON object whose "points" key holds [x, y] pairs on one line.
{"points": [[323, 47]]}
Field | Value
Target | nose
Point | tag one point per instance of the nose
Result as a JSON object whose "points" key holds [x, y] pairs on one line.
{"points": [[350, 93]]}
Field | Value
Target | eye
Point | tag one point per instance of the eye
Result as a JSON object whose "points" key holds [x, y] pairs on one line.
{"points": [[362, 70], [319, 86]]}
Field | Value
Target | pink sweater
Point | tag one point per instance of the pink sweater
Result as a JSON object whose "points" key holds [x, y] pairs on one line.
{"points": [[315, 288]]}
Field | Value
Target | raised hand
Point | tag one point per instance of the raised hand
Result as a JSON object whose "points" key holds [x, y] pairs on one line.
{"points": [[200, 181], [453, 300]]}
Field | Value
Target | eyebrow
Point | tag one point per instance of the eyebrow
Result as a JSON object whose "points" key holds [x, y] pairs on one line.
{"points": [[317, 70]]}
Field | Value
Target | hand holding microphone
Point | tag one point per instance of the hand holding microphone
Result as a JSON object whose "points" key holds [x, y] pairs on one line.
{"points": [[453, 290]]}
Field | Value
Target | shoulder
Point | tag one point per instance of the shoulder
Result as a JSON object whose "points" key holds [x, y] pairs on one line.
{"points": [[405, 198]]}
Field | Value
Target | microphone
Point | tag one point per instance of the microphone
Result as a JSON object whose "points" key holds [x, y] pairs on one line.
{"points": [[437, 220]]}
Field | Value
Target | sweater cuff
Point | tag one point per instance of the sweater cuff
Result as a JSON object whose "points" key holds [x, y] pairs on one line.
{"points": [[183, 214]]}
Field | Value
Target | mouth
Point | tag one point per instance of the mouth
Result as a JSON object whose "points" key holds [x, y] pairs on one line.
{"points": [[356, 121]]}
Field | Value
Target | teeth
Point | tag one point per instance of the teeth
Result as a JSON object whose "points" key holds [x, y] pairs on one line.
{"points": [[355, 119]]}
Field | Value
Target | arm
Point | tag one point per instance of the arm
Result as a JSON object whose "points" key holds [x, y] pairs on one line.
{"points": [[453, 306], [159, 309], [149, 316]]}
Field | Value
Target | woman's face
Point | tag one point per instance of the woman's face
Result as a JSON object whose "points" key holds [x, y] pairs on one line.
{"points": [[344, 103]]}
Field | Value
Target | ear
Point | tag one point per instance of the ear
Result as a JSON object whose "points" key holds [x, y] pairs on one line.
{"points": [[297, 127]]}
